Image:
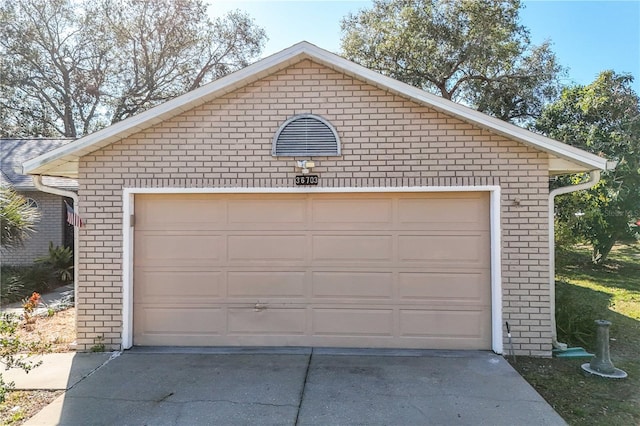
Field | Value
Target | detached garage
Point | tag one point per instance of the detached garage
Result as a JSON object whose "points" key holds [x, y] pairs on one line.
{"points": [[308, 201]]}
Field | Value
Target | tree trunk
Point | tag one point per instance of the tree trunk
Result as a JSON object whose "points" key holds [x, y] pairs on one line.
{"points": [[601, 250]]}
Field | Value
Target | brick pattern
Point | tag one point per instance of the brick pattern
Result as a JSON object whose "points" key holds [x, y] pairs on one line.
{"points": [[50, 228], [386, 140]]}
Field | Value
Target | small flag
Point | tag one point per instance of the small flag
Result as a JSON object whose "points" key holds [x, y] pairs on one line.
{"points": [[73, 218]]}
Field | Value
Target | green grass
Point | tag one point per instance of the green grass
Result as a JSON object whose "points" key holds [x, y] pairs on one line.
{"points": [[585, 293], [618, 278]]}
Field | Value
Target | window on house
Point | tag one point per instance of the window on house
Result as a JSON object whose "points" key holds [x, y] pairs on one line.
{"points": [[32, 203], [306, 135]]}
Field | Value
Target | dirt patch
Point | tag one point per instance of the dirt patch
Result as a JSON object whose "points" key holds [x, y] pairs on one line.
{"points": [[20, 406], [58, 330]]}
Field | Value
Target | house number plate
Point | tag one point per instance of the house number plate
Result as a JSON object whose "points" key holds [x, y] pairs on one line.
{"points": [[306, 179]]}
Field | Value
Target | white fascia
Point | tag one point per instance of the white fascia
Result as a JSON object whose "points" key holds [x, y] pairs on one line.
{"points": [[128, 199]]}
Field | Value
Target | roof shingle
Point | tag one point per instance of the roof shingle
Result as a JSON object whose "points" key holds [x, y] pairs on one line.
{"points": [[14, 152]]}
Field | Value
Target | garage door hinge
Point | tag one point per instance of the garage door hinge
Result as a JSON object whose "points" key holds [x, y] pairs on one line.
{"points": [[132, 220]]}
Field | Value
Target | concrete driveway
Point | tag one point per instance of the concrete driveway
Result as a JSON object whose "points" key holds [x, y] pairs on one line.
{"points": [[301, 386]]}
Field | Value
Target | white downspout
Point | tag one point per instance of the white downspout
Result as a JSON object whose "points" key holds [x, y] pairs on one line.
{"points": [[594, 178], [37, 181]]}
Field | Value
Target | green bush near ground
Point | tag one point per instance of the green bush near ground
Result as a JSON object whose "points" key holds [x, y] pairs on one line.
{"points": [[10, 290], [60, 261], [19, 282], [46, 273], [585, 293]]}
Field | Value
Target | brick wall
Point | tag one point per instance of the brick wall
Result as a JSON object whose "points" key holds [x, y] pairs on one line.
{"points": [[50, 227], [386, 141]]}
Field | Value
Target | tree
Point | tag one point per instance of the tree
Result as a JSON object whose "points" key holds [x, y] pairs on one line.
{"points": [[469, 51], [17, 218], [71, 67], [603, 118]]}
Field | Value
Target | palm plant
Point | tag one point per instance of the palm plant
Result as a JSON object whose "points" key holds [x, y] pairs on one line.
{"points": [[17, 218]]}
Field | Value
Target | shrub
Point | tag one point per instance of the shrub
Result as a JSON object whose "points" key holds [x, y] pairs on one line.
{"points": [[48, 272], [39, 278], [19, 282], [60, 260], [11, 290], [15, 353]]}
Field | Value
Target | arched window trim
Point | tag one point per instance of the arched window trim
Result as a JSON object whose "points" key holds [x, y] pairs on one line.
{"points": [[334, 152], [33, 203]]}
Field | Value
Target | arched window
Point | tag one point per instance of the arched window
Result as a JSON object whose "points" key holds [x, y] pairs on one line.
{"points": [[32, 203], [306, 135]]}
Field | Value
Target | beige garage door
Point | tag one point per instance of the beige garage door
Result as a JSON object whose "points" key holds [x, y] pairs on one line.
{"points": [[409, 270]]}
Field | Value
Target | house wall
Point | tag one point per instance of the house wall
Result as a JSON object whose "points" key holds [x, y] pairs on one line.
{"points": [[50, 228], [386, 141]]}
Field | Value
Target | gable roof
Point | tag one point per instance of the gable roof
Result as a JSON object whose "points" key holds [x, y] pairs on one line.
{"points": [[63, 161], [14, 152]]}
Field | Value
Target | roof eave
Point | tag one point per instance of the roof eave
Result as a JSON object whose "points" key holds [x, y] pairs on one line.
{"points": [[49, 163]]}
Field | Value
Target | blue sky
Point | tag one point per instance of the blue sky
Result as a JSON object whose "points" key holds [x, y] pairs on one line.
{"points": [[587, 36]]}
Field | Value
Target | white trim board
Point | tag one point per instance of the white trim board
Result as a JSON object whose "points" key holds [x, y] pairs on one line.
{"points": [[128, 203]]}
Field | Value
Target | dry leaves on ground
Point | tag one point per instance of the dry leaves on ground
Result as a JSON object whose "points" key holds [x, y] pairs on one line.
{"points": [[59, 330]]}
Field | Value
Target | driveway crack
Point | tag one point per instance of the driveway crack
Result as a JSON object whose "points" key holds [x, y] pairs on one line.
{"points": [[114, 355], [304, 387], [165, 400]]}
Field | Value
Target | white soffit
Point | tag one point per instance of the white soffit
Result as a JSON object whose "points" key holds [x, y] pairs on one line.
{"points": [[63, 161]]}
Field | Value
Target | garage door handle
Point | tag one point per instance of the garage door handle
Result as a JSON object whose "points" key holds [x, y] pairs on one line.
{"points": [[259, 307]]}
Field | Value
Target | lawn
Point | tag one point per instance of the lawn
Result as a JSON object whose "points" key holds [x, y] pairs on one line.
{"points": [[586, 293]]}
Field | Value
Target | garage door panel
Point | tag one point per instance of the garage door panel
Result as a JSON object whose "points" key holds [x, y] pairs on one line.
{"points": [[185, 285], [452, 324], [344, 213], [275, 284], [179, 249], [468, 213], [343, 248], [156, 325], [183, 212], [273, 214], [351, 284], [266, 248], [271, 321], [465, 250], [361, 322], [447, 286]]}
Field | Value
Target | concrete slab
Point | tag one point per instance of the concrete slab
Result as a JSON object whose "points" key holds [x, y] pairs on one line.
{"points": [[311, 387], [58, 371], [462, 388], [187, 389]]}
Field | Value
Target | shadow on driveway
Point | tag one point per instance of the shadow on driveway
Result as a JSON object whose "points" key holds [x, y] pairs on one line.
{"points": [[300, 386]]}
